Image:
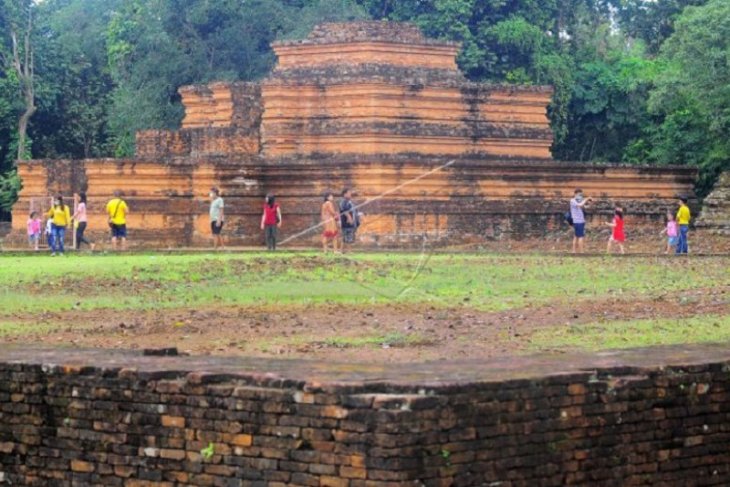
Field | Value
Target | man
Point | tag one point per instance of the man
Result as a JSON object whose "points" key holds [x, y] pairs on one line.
{"points": [[349, 218], [216, 217], [117, 210], [683, 217], [579, 219]]}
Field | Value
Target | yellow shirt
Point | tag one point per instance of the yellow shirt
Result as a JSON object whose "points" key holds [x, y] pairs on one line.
{"points": [[683, 215], [117, 210], [60, 215]]}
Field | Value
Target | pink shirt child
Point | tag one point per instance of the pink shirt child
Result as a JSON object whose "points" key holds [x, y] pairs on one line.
{"points": [[671, 228], [34, 226]]}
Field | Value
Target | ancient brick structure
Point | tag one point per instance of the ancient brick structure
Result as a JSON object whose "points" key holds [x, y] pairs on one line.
{"points": [[368, 105], [716, 208], [110, 418]]}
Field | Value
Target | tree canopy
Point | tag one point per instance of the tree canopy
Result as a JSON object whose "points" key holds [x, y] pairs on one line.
{"points": [[636, 81]]}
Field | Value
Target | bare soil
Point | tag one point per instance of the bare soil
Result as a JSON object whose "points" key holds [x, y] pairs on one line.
{"points": [[392, 333]]}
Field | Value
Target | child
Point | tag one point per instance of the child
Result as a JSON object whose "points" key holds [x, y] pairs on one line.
{"points": [[617, 234], [672, 233], [34, 230], [49, 232]]}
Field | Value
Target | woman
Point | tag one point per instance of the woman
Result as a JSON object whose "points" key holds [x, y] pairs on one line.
{"points": [[60, 217], [330, 222], [271, 220], [81, 222]]}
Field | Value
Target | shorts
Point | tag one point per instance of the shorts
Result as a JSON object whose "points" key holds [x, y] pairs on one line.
{"points": [[33, 239], [216, 228], [348, 234], [330, 234], [119, 231], [673, 241], [579, 229]]}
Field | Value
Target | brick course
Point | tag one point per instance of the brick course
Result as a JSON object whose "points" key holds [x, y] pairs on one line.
{"points": [[92, 417]]}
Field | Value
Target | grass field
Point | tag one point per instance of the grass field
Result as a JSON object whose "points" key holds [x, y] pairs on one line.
{"points": [[398, 307]]}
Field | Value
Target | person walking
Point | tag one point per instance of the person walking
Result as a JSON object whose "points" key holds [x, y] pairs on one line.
{"points": [[671, 231], [60, 217], [34, 230], [118, 210], [271, 221], [330, 218], [349, 218], [683, 219], [578, 218], [618, 236], [81, 220], [217, 216]]}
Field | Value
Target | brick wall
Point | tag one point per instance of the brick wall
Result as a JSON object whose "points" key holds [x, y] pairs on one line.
{"points": [[652, 417], [474, 201]]}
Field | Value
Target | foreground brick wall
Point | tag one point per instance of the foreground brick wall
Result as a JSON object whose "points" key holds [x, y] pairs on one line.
{"points": [[652, 417]]}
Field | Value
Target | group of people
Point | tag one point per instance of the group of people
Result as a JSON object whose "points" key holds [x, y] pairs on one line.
{"points": [[676, 229], [59, 219], [339, 222]]}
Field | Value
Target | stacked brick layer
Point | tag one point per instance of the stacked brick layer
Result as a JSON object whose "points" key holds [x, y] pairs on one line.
{"points": [[715, 215], [469, 201], [651, 417]]}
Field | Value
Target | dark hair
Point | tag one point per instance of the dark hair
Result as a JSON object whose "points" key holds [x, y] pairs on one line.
{"points": [[215, 190], [59, 198], [683, 199], [345, 191], [327, 196], [270, 199], [577, 190], [82, 198], [33, 213], [619, 213], [117, 193]]}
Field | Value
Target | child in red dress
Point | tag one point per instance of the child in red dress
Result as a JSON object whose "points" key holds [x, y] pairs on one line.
{"points": [[617, 234]]}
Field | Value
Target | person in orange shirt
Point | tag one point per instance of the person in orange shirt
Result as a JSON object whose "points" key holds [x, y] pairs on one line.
{"points": [[331, 223]]}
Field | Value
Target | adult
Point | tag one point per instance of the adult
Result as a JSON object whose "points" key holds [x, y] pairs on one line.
{"points": [[683, 218], [217, 216], [579, 219], [81, 220], [330, 218], [60, 217], [118, 210], [349, 218], [271, 221]]}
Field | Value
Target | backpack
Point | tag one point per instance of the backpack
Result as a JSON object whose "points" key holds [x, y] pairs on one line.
{"points": [[568, 218]]}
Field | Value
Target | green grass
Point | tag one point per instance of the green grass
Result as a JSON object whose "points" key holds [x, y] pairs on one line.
{"points": [[31, 284], [637, 333]]}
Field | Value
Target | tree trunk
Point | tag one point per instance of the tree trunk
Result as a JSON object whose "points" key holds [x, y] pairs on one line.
{"points": [[23, 65]]}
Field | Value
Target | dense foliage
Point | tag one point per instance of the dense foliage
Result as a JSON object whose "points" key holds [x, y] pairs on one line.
{"points": [[637, 81]]}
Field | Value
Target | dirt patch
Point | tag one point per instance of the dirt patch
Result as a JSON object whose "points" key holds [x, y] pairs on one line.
{"points": [[392, 333]]}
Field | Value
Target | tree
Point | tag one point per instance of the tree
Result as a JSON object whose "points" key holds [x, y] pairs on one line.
{"points": [[691, 100], [19, 18]]}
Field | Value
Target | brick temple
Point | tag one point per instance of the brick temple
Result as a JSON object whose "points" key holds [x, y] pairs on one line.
{"points": [[367, 105]]}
